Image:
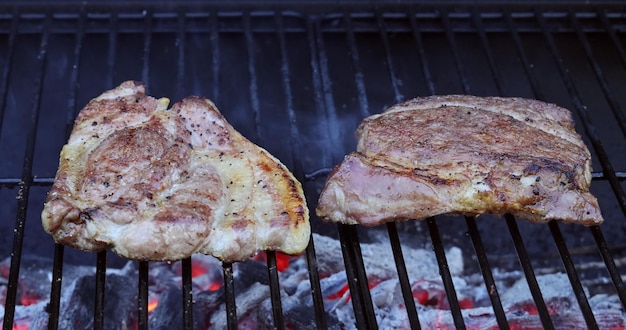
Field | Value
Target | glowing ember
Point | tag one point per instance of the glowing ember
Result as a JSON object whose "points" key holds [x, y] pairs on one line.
{"points": [[197, 268], [152, 304], [282, 260], [214, 286], [339, 294], [254, 306], [431, 293], [28, 300]]}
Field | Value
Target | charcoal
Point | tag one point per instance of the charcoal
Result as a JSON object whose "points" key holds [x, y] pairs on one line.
{"points": [[206, 303], [298, 313], [169, 312], [247, 302], [248, 273], [120, 303], [34, 283]]}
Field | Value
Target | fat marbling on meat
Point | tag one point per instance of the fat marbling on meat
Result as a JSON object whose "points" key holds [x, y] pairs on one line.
{"points": [[460, 154], [154, 183]]}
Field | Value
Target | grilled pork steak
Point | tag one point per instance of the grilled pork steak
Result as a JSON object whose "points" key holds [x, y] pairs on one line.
{"points": [[464, 155], [161, 184]]}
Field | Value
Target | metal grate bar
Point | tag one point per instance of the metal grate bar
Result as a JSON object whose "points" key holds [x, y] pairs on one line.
{"points": [[484, 41], [57, 269], [277, 307], [356, 66], [610, 264], [215, 52], [55, 289], [455, 50], [606, 90], [98, 311], [286, 83], [147, 42], [187, 294], [524, 260], [112, 48], [253, 87], [143, 281], [579, 291], [25, 184], [492, 291], [607, 167], [357, 278], [390, 66], [421, 55], [444, 270], [612, 35], [316, 289], [180, 45], [6, 71], [72, 109], [403, 277], [519, 47], [142, 300], [229, 293], [325, 91]]}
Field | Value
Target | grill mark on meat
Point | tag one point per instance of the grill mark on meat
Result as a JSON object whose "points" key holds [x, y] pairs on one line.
{"points": [[434, 179]]}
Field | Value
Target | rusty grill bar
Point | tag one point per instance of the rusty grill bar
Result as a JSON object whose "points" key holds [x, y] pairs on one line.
{"points": [[321, 28]]}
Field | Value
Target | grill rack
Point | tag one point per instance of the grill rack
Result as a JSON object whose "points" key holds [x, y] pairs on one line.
{"points": [[353, 20]]}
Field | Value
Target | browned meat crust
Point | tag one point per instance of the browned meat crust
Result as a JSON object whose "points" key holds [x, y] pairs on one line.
{"points": [[161, 184], [468, 155]]}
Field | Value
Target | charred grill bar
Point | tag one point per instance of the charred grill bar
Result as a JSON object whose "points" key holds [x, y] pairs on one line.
{"points": [[73, 32]]}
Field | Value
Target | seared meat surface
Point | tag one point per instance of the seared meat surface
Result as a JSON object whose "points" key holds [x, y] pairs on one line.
{"points": [[161, 184], [467, 155]]}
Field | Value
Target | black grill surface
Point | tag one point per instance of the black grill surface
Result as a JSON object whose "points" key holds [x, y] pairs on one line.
{"points": [[297, 79]]}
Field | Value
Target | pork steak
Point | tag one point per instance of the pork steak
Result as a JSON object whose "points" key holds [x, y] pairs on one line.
{"points": [[468, 155], [154, 183]]}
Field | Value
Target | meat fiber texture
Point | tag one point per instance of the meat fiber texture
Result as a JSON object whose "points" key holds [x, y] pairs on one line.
{"points": [[154, 183], [461, 154]]}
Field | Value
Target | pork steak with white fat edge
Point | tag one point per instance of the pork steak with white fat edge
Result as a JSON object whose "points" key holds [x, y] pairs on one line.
{"points": [[154, 183]]}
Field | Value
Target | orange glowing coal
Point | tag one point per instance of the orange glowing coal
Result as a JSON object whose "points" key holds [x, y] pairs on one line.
{"points": [[28, 300], [282, 260], [371, 283], [21, 326], [152, 304], [214, 286], [198, 269]]}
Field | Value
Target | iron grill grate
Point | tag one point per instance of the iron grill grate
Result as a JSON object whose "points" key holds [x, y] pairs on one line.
{"points": [[323, 79]]}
